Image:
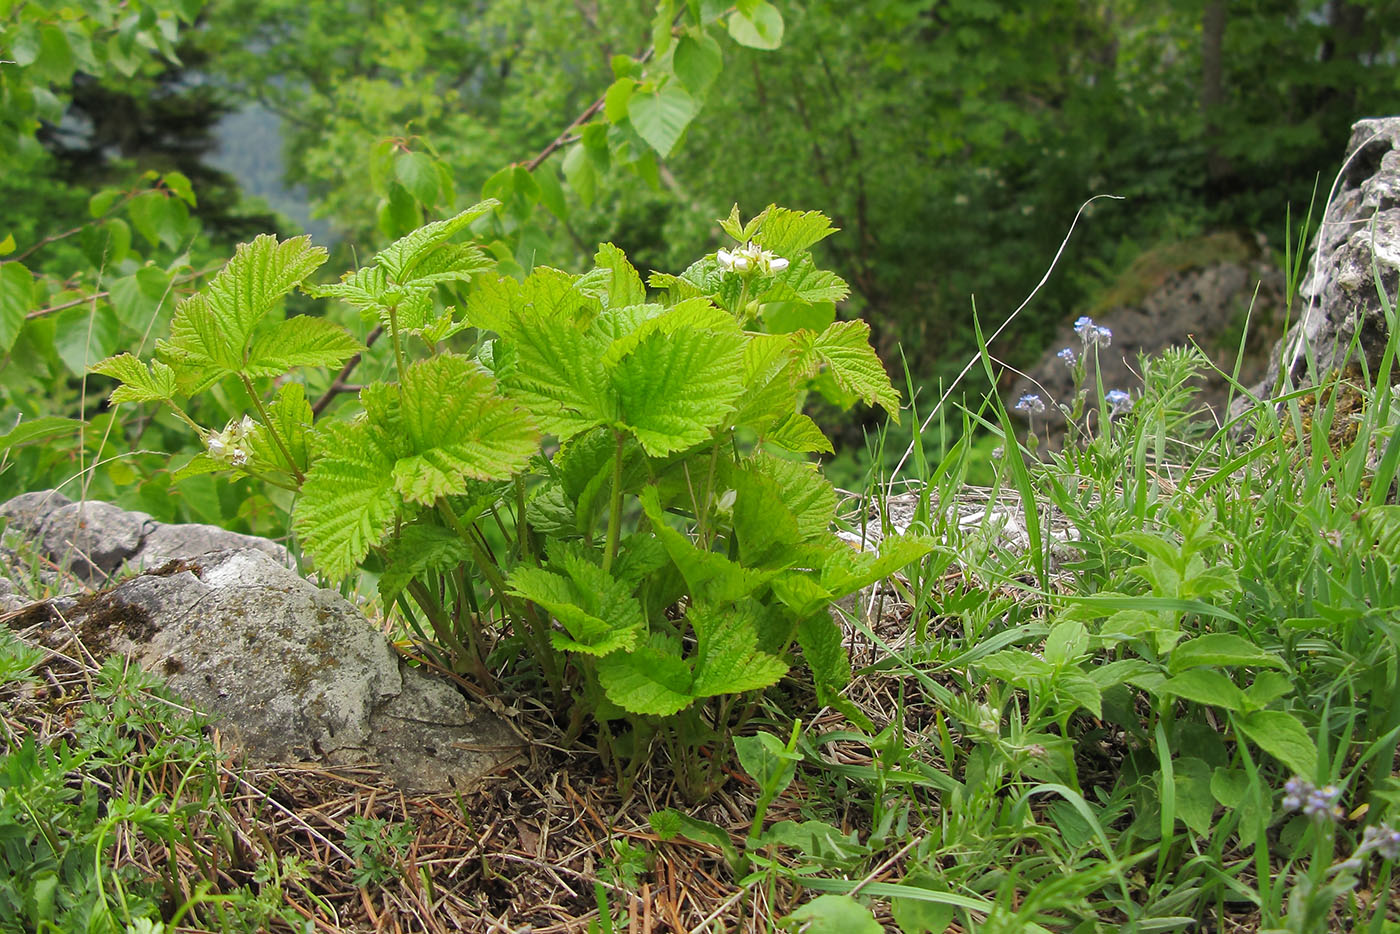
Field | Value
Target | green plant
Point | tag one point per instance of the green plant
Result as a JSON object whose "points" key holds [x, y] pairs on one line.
{"points": [[379, 848], [670, 554]]}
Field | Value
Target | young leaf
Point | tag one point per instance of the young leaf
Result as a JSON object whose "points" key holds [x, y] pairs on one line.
{"points": [[457, 427], [596, 621], [400, 258], [211, 329], [844, 351], [652, 680], [139, 383], [348, 502], [674, 390], [760, 29], [661, 116], [1205, 686], [833, 914], [787, 233], [299, 341], [419, 548], [1222, 648], [698, 62], [290, 416], [624, 286]]}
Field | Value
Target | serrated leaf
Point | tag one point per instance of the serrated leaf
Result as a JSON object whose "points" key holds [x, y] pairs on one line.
{"points": [[198, 466], [418, 549], [558, 374], [211, 329], [848, 570], [843, 350], [348, 502], [457, 428], [416, 172], [624, 284], [797, 433], [803, 282], [727, 657], [807, 495], [661, 116], [708, 575], [140, 383], [290, 416], [593, 624], [400, 258], [673, 390], [825, 653], [648, 681], [299, 341], [788, 233]]}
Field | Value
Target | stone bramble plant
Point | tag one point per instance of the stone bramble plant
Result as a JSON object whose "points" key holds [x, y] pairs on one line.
{"points": [[570, 476]]}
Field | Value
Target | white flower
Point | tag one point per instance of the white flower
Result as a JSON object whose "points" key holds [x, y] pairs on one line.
{"points": [[750, 257], [228, 446]]}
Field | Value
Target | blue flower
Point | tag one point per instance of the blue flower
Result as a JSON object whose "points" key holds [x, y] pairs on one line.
{"points": [[1031, 404], [1083, 327], [1118, 402], [1068, 356]]}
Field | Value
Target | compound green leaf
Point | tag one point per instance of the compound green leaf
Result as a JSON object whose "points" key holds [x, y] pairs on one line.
{"points": [[299, 341], [140, 383], [804, 282], [558, 374], [673, 390], [35, 430], [788, 233], [707, 574], [401, 257], [590, 627], [797, 433], [844, 351], [348, 502], [727, 657], [848, 570], [211, 329]]}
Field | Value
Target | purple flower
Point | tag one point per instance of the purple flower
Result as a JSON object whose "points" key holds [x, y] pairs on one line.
{"points": [[1031, 404], [1319, 804], [1383, 840]]}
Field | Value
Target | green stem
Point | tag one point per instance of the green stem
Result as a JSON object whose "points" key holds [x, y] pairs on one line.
{"points": [[615, 509], [703, 528], [271, 430], [398, 343], [488, 567]]}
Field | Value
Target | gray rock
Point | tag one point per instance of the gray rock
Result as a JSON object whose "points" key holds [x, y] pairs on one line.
{"points": [[1359, 236], [292, 673], [1197, 296], [95, 540]]}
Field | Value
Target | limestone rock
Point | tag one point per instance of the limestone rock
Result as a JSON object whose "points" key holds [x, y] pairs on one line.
{"points": [[1359, 236], [1195, 291], [291, 672], [95, 540]]}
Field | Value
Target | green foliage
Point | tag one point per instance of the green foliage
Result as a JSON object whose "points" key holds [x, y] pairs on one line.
{"points": [[670, 418]]}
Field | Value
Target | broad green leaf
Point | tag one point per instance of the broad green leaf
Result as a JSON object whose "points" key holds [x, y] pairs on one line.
{"points": [[348, 502], [787, 233], [615, 101], [299, 341], [140, 383], [457, 427], [831, 914], [580, 174], [416, 172], [551, 192], [557, 374], [211, 329], [808, 495], [139, 296], [624, 285], [7, 245], [35, 430], [290, 416], [844, 351], [848, 570], [450, 262], [16, 299], [674, 390], [698, 62], [1222, 648], [1205, 686], [85, 335], [661, 116], [594, 624], [418, 549], [1282, 736], [1076, 685], [649, 680], [401, 258], [762, 522], [1268, 687], [670, 823], [1016, 666], [727, 659], [768, 762], [916, 916], [803, 282], [825, 652], [708, 575], [1195, 805]]}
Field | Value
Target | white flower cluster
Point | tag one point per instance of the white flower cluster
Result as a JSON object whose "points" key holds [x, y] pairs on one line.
{"points": [[228, 446], [750, 258]]}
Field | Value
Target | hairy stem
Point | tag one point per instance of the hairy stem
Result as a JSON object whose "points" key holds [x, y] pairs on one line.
{"points": [[615, 508], [272, 430]]}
